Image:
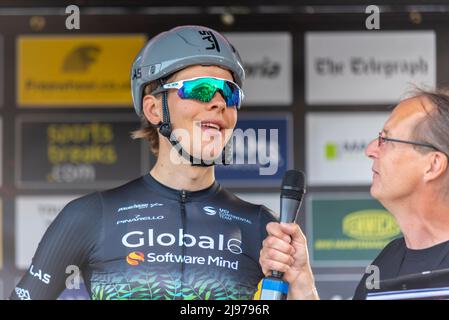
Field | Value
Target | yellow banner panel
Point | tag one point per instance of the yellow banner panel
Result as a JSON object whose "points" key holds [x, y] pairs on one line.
{"points": [[91, 70]]}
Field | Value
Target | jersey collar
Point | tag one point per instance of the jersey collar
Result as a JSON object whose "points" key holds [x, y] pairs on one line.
{"points": [[177, 194]]}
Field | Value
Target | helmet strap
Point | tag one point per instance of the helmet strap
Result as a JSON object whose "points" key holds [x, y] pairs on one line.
{"points": [[165, 127]]}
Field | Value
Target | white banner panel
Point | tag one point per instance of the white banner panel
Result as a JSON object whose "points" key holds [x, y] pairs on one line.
{"points": [[1, 234], [336, 286], [267, 58], [367, 67], [1, 151], [335, 146], [34, 215], [269, 200], [2, 72]]}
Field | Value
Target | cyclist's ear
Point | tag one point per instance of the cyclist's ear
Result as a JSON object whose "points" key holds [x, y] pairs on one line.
{"points": [[152, 109]]}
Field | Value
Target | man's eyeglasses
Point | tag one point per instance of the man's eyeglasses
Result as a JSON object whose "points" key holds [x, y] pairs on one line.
{"points": [[381, 140]]}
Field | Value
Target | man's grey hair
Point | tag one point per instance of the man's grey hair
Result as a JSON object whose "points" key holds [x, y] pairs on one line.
{"points": [[434, 128]]}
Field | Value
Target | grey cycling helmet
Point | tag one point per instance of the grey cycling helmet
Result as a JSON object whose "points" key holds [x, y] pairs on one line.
{"points": [[177, 49]]}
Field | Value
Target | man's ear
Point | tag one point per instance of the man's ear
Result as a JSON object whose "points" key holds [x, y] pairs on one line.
{"points": [[437, 166], [151, 107]]}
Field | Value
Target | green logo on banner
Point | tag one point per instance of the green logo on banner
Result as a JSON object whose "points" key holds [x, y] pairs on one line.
{"points": [[370, 225], [349, 231], [331, 151]]}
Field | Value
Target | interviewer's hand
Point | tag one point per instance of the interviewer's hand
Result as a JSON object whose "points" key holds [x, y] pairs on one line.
{"points": [[285, 250]]}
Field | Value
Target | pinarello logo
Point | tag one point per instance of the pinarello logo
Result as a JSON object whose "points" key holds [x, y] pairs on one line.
{"points": [[135, 257]]}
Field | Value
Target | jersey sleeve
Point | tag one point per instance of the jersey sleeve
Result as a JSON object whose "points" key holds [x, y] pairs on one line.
{"points": [[68, 241]]}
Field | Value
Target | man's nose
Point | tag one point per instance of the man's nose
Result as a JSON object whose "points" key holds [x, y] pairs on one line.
{"points": [[372, 150]]}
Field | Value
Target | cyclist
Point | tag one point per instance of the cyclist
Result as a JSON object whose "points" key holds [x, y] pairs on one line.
{"points": [[173, 233]]}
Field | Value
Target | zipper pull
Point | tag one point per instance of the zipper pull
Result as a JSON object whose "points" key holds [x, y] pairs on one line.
{"points": [[183, 196]]}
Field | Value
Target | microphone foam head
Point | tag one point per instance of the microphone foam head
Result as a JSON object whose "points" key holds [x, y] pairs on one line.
{"points": [[293, 184]]}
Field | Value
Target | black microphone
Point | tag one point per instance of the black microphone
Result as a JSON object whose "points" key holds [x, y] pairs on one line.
{"points": [[292, 193]]}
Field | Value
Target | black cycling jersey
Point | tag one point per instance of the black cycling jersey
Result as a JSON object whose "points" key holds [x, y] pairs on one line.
{"points": [[144, 240]]}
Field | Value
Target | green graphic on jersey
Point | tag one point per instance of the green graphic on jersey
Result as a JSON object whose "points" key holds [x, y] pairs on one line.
{"points": [[144, 285]]}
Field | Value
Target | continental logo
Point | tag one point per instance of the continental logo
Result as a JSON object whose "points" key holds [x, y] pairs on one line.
{"points": [[370, 225], [81, 58], [135, 258]]}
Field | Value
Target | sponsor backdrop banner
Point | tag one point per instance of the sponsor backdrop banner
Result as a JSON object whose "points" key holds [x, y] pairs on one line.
{"points": [[33, 215], [270, 200], [1, 151], [367, 67], [90, 151], [269, 79], [336, 286], [2, 72], [76, 70], [267, 154], [347, 229], [335, 146], [1, 235]]}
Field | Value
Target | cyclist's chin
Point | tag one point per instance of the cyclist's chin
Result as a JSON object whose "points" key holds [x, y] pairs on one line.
{"points": [[209, 151]]}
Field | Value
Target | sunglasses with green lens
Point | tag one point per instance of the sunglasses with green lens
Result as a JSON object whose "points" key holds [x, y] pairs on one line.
{"points": [[204, 88]]}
